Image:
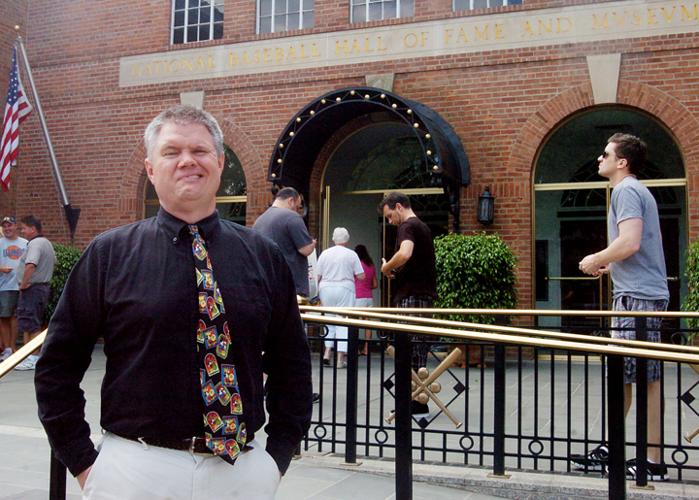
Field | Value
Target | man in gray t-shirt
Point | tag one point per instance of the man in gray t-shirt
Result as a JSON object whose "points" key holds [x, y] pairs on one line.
{"points": [[34, 275], [282, 224], [636, 262]]}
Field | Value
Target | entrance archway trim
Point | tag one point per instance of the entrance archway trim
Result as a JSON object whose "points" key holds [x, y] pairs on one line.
{"points": [[297, 147]]}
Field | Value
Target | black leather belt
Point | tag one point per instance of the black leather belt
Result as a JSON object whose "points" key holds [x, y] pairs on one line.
{"points": [[194, 444]]}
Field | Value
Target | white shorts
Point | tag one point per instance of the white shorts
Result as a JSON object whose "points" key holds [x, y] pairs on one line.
{"points": [[127, 470], [336, 296], [364, 302]]}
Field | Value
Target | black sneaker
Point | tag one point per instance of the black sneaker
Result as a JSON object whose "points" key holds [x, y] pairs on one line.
{"points": [[595, 461], [656, 472], [418, 409]]}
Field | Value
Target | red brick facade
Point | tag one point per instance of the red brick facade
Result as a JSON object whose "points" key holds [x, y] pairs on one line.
{"points": [[502, 104]]}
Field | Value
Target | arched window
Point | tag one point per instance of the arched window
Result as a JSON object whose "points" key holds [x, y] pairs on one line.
{"points": [[572, 200], [230, 198]]}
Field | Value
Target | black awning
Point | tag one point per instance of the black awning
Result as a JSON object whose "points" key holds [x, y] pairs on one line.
{"points": [[300, 143]]}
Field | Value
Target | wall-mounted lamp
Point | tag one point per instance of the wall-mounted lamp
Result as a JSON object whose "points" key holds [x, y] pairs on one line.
{"points": [[486, 207]]}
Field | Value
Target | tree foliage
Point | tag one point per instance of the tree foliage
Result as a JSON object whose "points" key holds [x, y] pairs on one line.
{"points": [[475, 271], [66, 257], [691, 302]]}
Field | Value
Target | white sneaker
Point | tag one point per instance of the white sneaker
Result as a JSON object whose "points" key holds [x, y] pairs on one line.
{"points": [[5, 354], [28, 364]]}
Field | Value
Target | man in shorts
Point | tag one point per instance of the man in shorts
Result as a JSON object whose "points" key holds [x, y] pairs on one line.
{"points": [[636, 262], [11, 250], [34, 275]]}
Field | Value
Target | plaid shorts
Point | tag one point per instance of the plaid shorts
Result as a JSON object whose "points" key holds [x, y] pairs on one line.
{"points": [[420, 347], [625, 328]]}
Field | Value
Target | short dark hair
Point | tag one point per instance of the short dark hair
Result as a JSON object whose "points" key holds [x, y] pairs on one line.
{"points": [[391, 199], [286, 193], [630, 148], [31, 221]]}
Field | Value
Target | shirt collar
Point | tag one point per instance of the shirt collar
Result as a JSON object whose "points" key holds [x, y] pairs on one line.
{"points": [[208, 226]]}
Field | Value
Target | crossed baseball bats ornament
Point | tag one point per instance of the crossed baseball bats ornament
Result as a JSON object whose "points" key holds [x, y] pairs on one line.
{"points": [[425, 385]]}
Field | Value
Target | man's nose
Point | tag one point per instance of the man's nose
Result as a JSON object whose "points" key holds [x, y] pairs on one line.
{"points": [[186, 158]]}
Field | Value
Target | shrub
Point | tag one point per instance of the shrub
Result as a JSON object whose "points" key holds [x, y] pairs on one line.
{"points": [[691, 302], [66, 257], [475, 271]]}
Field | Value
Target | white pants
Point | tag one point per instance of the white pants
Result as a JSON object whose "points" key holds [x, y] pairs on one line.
{"points": [[127, 470], [336, 296]]}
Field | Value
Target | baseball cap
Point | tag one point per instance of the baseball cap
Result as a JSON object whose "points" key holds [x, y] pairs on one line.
{"points": [[9, 220]]}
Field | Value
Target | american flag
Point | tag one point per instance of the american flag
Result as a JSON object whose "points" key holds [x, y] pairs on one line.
{"points": [[16, 110]]}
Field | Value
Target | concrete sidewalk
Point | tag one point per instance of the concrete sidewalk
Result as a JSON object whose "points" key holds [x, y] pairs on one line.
{"points": [[24, 463], [24, 455]]}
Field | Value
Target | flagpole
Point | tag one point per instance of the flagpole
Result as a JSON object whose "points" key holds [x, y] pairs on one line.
{"points": [[72, 214]]}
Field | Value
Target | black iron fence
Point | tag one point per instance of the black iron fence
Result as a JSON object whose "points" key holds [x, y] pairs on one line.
{"points": [[500, 397]]}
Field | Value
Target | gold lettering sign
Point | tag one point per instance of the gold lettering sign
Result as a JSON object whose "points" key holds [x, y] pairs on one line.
{"points": [[616, 20]]}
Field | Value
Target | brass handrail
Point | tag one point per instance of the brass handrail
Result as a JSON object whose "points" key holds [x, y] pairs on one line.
{"points": [[585, 346], [365, 313], [531, 312], [19, 355]]}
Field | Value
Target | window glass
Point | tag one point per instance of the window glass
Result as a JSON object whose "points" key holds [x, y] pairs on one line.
{"points": [[293, 20], [358, 14], [193, 20], [218, 14], [308, 19], [482, 4], [178, 36], [373, 10], [281, 15]]}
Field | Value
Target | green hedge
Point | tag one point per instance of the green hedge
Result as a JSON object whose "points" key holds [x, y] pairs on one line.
{"points": [[691, 302], [475, 271], [66, 257]]}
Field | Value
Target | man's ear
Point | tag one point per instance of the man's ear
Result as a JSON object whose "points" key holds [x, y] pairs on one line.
{"points": [[149, 169]]}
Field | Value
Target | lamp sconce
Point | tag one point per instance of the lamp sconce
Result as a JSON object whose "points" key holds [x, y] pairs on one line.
{"points": [[486, 207]]}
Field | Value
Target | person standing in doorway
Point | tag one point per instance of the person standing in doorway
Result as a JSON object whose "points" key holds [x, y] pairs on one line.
{"points": [[412, 269], [34, 274], [282, 224], [364, 295], [12, 248], [338, 267], [636, 262]]}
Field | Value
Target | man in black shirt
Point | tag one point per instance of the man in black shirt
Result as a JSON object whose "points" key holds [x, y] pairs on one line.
{"points": [[136, 287], [412, 268]]}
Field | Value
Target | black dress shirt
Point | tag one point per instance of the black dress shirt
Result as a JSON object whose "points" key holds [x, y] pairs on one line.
{"points": [[135, 286]]}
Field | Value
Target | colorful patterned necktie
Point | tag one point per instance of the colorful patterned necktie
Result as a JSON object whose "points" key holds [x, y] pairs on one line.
{"points": [[223, 407]]}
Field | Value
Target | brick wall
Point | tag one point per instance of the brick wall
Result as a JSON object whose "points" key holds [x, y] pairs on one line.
{"points": [[502, 104], [13, 14]]}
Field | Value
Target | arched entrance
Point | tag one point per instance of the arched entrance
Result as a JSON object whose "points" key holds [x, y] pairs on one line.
{"points": [[571, 202], [380, 142]]}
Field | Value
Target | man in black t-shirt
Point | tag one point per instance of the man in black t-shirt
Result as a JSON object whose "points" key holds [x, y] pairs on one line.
{"points": [[413, 269]]}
